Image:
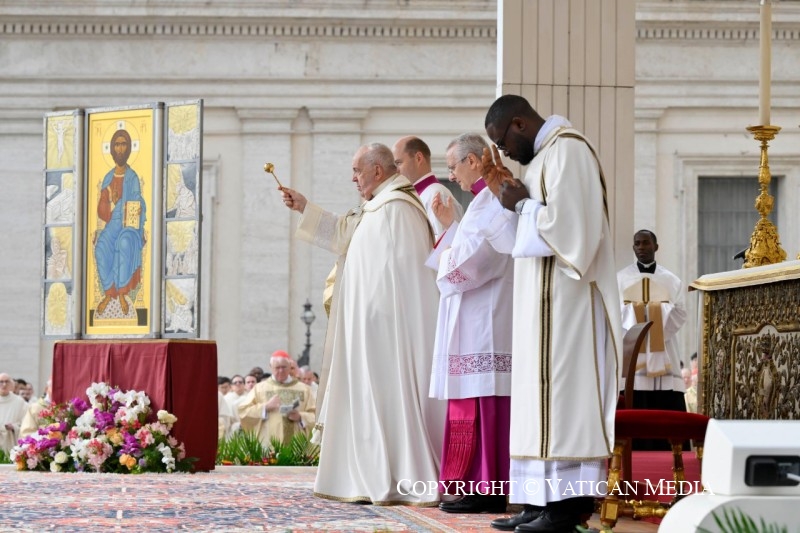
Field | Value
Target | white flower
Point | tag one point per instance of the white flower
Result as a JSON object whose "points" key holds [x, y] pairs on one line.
{"points": [[97, 389], [61, 458], [125, 398], [55, 467], [78, 448], [166, 417], [16, 452], [141, 399], [86, 422], [167, 458]]}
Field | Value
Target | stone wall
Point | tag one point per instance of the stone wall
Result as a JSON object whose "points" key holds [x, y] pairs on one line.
{"points": [[301, 85]]}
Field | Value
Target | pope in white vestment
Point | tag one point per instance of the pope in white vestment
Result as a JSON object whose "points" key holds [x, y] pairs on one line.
{"points": [[566, 345], [379, 431]]}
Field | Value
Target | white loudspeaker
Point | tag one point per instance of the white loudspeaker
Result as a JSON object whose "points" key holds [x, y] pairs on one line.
{"points": [[752, 457], [751, 469]]}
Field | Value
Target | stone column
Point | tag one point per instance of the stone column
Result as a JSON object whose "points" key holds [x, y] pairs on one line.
{"points": [[264, 272], [325, 157], [576, 58]]}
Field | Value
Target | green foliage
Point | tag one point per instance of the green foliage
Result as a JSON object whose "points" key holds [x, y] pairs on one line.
{"points": [[736, 521], [299, 451], [244, 448], [4, 458]]}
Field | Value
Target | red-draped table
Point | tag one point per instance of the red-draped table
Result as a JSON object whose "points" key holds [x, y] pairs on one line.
{"points": [[177, 375]]}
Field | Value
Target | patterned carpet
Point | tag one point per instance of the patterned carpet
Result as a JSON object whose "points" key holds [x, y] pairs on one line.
{"points": [[228, 499]]}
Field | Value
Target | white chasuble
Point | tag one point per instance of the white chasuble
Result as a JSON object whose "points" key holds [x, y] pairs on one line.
{"points": [[472, 354], [381, 431], [331, 232], [566, 339], [12, 411], [294, 393]]}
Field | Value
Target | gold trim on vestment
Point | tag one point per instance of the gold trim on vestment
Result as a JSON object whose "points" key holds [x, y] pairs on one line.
{"points": [[654, 342], [602, 186], [600, 401], [366, 499], [545, 352], [599, 166], [555, 253]]}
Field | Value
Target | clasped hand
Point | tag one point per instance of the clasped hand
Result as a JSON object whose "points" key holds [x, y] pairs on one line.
{"points": [[500, 181]]}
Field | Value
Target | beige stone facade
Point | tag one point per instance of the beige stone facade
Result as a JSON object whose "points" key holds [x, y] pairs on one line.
{"points": [[302, 84]]}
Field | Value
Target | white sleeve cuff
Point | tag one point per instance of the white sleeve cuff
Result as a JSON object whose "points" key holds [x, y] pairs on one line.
{"points": [[528, 242], [501, 231]]}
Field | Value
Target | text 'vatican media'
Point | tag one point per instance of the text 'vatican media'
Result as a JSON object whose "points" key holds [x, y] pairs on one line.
{"points": [[568, 489]]}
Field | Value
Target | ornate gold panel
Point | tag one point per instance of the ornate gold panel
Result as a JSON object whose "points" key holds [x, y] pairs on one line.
{"points": [[751, 352]]}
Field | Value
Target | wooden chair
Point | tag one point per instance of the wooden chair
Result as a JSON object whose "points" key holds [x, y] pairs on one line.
{"points": [[673, 426]]}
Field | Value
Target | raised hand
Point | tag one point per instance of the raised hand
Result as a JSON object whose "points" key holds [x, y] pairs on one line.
{"points": [[445, 212], [293, 199], [494, 172]]}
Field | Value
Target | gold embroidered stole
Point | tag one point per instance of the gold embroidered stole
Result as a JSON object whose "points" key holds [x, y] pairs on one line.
{"points": [[646, 298]]}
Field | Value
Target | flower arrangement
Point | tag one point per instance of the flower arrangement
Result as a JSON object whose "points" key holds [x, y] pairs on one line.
{"points": [[114, 432]]}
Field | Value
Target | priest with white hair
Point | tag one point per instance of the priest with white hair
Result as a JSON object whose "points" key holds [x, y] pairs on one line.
{"points": [[380, 433], [279, 406]]}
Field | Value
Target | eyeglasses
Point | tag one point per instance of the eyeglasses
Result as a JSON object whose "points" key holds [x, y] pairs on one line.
{"points": [[452, 169], [2, 381], [237, 382], [501, 144]]}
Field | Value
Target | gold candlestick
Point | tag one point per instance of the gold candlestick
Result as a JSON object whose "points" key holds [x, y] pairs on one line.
{"points": [[765, 247], [270, 168]]}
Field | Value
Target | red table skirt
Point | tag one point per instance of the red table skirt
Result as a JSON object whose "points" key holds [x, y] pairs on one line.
{"points": [[179, 376]]}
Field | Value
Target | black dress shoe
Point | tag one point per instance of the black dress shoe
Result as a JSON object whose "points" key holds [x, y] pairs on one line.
{"points": [[529, 514], [550, 521], [475, 503]]}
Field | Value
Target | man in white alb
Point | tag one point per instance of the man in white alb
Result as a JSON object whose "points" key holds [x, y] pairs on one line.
{"points": [[566, 338], [650, 292]]}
